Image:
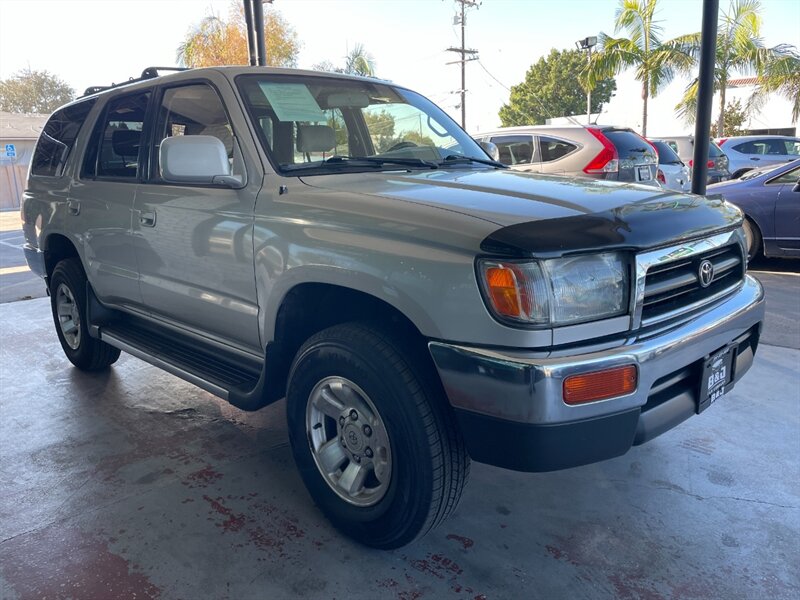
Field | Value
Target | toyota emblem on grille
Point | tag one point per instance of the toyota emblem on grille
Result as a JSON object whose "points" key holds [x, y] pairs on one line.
{"points": [[705, 273]]}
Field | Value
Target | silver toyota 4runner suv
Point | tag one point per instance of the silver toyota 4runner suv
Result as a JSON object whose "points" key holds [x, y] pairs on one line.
{"points": [[342, 243]]}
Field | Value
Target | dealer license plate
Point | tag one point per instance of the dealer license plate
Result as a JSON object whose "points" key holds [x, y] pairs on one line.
{"points": [[643, 173], [717, 375]]}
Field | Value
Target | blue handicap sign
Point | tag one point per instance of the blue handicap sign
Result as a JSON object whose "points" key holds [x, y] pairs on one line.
{"points": [[11, 150]]}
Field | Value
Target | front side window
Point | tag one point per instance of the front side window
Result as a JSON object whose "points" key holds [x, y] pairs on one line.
{"points": [[57, 139], [515, 149], [790, 176], [327, 125], [553, 148], [114, 151], [195, 109]]}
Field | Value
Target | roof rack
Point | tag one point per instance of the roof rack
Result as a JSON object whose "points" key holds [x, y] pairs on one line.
{"points": [[148, 73]]}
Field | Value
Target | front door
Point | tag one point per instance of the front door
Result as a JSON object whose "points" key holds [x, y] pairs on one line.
{"points": [[787, 213], [194, 243]]}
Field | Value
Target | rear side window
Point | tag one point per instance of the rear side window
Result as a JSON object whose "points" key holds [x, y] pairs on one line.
{"points": [[515, 149], [666, 155], [116, 143], [553, 149], [58, 138], [714, 151], [631, 146]]}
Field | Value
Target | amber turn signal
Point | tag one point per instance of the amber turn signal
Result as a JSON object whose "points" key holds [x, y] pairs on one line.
{"points": [[600, 385], [504, 292]]}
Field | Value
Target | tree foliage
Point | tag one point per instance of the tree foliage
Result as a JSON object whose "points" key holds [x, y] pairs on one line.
{"points": [[356, 62], [655, 62], [740, 50], [781, 76], [552, 88], [735, 117], [30, 91], [216, 41]]}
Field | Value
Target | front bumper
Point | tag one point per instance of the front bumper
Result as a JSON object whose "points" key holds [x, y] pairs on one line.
{"points": [[510, 405]]}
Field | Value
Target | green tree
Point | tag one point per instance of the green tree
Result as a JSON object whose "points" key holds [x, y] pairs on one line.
{"points": [[739, 50], [30, 91], [217, 41], [735, 117], [552, 88], [655, 62]]}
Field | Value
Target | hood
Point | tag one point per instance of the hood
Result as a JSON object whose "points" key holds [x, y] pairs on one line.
{"points": [[539, 214]]}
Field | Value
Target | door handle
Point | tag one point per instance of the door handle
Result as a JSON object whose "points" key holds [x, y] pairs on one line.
{"points": [[73, 207], [754, 158], [147, 219]]}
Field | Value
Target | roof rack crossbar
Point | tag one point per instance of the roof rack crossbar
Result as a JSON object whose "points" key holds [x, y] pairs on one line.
{"points": [[148, 73]]}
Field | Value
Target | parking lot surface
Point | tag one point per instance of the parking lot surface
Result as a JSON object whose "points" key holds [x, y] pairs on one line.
{"points": [[132, 483]]}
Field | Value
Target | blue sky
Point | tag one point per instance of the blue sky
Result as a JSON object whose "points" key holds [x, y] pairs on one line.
{"points": [[92, 42]]}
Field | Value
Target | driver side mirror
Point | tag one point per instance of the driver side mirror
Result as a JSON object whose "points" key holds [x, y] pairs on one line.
{"points": [[197, 159], [490, 149]]}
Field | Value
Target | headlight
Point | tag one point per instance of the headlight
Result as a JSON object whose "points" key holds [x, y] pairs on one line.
{"points": [[558, 291]]}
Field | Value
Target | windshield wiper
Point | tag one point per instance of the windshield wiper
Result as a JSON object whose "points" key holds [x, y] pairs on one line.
{"points": [[379, 161], [461, 158]]}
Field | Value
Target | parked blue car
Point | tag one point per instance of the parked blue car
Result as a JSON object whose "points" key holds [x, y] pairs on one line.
{"points": [[770, 199]]}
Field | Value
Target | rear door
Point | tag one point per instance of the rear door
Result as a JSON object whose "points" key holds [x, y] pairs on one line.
{"points": [[637, 159], [553, 154], [101, 199], [194, 243]]}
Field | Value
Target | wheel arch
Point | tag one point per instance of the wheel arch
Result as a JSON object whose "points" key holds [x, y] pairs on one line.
{"points": [[310, 307], [58, 247]]}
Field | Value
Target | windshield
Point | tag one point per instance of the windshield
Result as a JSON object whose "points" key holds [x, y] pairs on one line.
{"points": [[318, 125]]}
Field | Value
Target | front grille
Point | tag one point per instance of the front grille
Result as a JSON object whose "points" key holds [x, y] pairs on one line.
{"points": [[674, 288]]}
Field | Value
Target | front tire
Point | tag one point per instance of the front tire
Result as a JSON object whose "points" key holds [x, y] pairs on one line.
{"points": [[68, 304], [374, 442], [752, 237]]}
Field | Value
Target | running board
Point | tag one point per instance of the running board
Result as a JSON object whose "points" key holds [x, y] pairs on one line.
{"points": [[247, 383], [204, 367]]}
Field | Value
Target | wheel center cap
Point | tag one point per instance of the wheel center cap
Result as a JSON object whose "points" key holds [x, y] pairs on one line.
{"points": [[353, 438]]}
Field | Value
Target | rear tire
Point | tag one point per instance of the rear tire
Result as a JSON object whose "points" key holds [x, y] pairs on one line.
{"points": [[753, 238], [351, 381], [68, 304]]}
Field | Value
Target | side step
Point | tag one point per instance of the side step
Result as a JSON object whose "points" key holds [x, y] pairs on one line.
{"points": [[247, 383], [206, 368]]}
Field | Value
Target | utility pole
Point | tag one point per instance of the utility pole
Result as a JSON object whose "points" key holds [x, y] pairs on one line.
{"points": [[463, 51]]}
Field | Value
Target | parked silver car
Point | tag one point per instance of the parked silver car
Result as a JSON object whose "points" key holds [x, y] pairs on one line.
{"points": [[748, 152], [673, 174], [600, 152], [717, 163], [342, 243]]}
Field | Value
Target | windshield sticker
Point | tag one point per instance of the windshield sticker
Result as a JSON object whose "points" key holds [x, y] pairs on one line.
{"points": [[292, 102]]}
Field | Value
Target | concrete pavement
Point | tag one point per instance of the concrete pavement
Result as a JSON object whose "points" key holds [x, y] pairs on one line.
{"points": [[131, 483]]}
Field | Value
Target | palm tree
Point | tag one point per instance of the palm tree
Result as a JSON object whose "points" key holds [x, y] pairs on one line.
{"points": [[739, 50], [359, 62], [781, 76], [656, 62]]}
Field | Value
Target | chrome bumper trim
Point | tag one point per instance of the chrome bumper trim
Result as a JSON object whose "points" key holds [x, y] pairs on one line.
{"points": [[526, 387]]}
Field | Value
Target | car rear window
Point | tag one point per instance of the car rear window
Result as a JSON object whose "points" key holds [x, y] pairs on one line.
{"points": [[630, 146], [666, 155]]}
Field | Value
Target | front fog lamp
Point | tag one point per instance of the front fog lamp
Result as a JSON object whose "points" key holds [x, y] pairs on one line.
{"points": [[559, 291]]}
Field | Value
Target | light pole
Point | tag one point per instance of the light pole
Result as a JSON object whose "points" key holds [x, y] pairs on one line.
{"points": [[587, 44]]}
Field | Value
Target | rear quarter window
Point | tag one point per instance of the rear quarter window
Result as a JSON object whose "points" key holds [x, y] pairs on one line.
{"points": [[57, 139]]}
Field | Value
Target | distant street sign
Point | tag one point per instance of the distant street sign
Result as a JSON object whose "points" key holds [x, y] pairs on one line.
{"points": [[11, 151]]}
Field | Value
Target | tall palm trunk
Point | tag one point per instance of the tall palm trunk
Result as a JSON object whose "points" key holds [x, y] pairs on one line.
{"points": [[721, 120], [644, 108]]}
